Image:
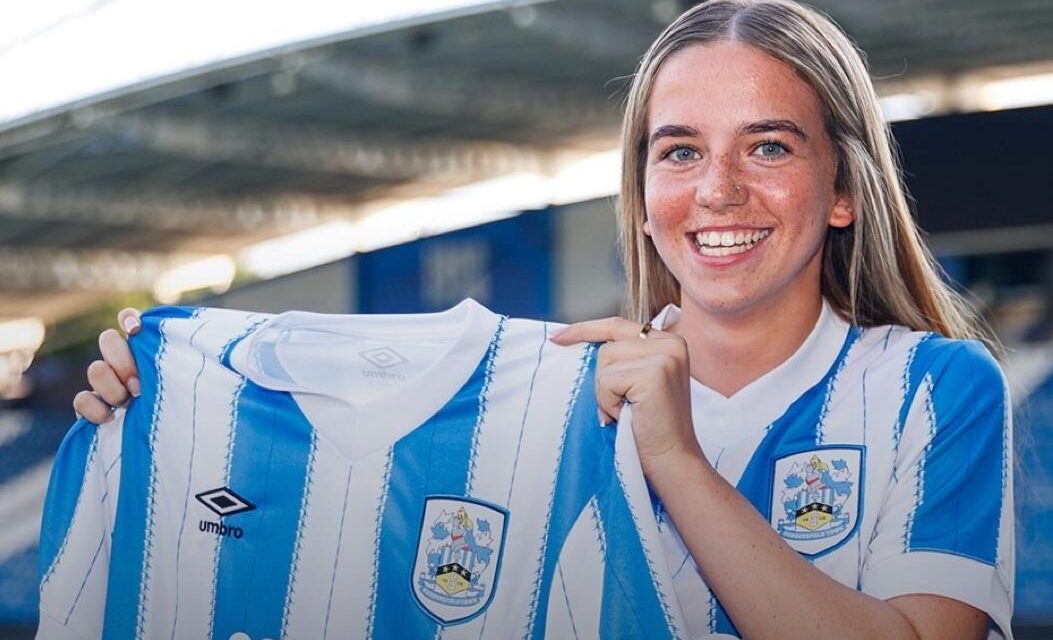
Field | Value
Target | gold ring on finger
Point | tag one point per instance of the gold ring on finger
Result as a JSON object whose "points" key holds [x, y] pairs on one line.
{"points": [[646, 329]]}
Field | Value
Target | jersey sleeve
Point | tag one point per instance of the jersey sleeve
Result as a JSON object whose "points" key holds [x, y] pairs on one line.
{"points": [[946, 525], [75, 531]]}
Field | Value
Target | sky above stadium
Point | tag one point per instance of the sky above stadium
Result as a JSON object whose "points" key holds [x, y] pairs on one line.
{"points": [[60, 52]]}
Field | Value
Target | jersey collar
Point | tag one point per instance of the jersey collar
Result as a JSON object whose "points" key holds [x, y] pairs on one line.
{"points": [[723, 420], [358, 428]]}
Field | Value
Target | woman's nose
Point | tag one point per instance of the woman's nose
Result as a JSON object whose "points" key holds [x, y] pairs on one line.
{"points": [[720, 185]]}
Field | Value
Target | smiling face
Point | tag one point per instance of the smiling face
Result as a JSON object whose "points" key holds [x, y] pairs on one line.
{"points": [[739, 180]]}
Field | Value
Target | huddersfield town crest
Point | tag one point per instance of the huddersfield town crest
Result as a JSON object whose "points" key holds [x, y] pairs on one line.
{"points": [[816, 498], [458, 557]]}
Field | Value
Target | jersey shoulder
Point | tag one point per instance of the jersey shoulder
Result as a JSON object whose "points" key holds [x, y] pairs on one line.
{"points": [[914, 356]]}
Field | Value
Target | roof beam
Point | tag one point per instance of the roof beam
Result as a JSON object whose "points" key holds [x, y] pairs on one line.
{"points": [[53, 269], [88, 206], [305, 149], [457, 95]]}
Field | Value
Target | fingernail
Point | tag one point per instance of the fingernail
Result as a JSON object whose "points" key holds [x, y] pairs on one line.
{"points": [[557, 334], [135, 386], [131, 324]]}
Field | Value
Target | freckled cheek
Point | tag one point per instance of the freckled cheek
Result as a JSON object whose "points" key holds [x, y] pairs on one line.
{"points": [[795, 203], [668, 201]]}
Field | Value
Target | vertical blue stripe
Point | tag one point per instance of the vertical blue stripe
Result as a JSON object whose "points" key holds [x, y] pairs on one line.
{"points": [[721, 621], [795, 430], [64, 490], [272, 446], [962, 485], [125, 587], [432, 459], [586, 463], [632, 605]]}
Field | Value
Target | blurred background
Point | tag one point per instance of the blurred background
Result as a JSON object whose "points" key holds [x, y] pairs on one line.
{"points": [[346, 157]]}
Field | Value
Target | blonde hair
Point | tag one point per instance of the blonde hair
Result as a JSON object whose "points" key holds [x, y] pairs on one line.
{"points": [[878, 270]]}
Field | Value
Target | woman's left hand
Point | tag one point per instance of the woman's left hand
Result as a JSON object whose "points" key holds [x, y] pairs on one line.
{"points": [[652, 372]]}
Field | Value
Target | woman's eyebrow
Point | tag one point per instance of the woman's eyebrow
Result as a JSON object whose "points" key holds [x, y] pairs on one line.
{"points": [[765, 126], [671, 131]]}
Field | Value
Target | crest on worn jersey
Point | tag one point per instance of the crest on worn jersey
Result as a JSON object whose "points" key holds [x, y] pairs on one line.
{"points": [[458, 557], [816, 497]]}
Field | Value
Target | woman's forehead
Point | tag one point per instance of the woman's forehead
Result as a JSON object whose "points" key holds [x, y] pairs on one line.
{"points": [[730, 83]]}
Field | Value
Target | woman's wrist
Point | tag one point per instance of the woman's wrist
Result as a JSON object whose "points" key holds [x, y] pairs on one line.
{"points": [[676, 470]]}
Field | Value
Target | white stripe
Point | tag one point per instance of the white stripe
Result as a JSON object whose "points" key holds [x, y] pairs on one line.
{"points": [[307, 609], [1006, 551], [356, 576], [899, 503], [538, 454]]}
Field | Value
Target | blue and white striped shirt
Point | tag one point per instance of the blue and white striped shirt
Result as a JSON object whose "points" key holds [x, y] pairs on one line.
{"points": [[310, 476], [882, 455]]}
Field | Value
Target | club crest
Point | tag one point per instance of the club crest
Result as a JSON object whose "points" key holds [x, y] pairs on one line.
{"points": [[816, 498], [458, 557]]}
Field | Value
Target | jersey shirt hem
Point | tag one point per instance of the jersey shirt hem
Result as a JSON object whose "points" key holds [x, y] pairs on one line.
{"points": [[926, 572]]}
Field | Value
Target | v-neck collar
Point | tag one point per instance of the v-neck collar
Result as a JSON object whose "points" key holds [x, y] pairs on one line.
{"points": [[724, 419], [359, 428]]}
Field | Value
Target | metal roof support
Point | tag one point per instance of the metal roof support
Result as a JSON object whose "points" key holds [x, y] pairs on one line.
{"points": [[305, 149], [450, 94], [83, 270], [120, 210]]}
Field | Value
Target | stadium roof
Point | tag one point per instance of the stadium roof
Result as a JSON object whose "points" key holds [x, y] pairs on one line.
{"points": [[128, 150]]}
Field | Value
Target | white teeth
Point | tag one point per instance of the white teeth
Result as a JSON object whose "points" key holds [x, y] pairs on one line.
{"points": [[715, 243]]}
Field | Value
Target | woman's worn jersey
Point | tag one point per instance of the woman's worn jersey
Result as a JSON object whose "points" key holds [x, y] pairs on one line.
{"points": [[396, 477], [881, 455]]}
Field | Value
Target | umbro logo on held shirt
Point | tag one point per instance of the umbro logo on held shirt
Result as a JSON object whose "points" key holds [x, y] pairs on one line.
{"points": [[383, 357], [224, 502]]}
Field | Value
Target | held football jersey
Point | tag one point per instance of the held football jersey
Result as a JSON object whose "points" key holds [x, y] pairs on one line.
{"points": [[881, 455], [311, 476]]}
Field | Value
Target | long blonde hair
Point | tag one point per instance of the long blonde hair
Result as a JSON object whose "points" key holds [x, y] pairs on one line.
{"points": [[878, 270]]}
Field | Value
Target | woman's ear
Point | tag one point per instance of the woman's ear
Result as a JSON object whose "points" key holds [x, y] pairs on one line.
{"points": [[647, 228], [841, 215]]}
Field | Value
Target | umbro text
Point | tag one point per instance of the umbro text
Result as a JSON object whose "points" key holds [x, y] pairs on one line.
{"points": [[383, 375], [219, 529]]}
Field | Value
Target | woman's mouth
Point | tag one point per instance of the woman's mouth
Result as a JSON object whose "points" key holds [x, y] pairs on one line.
{"points": [[726, 243]]}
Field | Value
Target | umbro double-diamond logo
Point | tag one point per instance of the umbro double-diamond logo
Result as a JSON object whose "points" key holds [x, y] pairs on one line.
{"points": [[223, 502]]}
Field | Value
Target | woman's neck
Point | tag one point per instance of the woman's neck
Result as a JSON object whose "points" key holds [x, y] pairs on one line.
{"points": [[728, 352]]}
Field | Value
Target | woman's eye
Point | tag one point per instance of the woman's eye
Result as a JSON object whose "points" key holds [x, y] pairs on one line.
{"points": [[682, 154], [771, 150]]}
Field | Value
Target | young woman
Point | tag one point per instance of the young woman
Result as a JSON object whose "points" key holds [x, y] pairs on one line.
{"points": [[827, 437]]}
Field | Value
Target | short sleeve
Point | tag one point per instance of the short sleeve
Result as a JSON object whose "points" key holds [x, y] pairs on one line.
{"points": [[75, 531], [946, 525]]}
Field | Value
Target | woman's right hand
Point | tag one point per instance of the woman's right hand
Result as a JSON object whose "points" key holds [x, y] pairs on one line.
{"points": [[114, 380]]}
